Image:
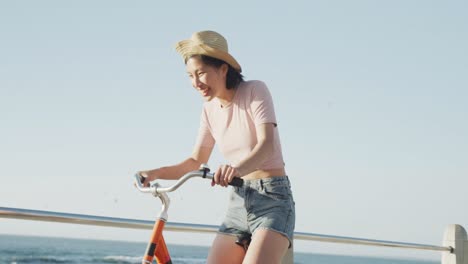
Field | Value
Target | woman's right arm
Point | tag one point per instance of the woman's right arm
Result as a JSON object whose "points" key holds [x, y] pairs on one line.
{"points": [[199, 156]]}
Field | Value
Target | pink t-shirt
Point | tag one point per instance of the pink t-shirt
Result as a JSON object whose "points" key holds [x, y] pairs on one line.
{"points": [[233, 127]]}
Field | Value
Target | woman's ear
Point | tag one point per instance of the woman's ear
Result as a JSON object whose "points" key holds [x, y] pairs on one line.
{"points": [[224, 69]]}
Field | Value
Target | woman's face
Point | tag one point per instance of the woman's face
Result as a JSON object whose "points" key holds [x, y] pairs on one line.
{"points": [[208, 80]]}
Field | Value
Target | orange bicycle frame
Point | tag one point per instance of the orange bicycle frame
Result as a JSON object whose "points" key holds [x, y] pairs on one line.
{"points": [[157, 247]]}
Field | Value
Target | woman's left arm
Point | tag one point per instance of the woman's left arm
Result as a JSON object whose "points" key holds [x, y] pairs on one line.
{"points": [[259, 154], [262, 151]]}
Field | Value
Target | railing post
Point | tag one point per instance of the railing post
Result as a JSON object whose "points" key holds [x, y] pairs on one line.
{"points": [[455, 237]]}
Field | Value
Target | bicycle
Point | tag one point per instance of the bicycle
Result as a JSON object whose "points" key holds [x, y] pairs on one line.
{"points": [[157, 247]]}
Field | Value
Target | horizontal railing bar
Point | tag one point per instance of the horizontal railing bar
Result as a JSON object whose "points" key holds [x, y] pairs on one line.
{"points": [[48, 216], [368, 242], [37, 215]]}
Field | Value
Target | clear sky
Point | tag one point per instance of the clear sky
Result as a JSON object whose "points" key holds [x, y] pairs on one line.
{"points": [[371, 100]]}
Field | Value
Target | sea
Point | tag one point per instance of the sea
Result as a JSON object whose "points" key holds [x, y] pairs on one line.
{"points": [[35, 250]]}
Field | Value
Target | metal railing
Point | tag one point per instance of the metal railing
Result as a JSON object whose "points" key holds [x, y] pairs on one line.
{"points": [[37, 215]]}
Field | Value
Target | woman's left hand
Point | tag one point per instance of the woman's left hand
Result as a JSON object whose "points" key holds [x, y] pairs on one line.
{"points": [[225, 174]]}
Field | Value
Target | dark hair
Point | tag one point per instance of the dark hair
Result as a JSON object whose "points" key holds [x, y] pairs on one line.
{"points": [[233, 77]]}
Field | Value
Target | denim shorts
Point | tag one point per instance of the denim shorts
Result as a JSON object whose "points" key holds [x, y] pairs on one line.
{"points": [[261, 204]]}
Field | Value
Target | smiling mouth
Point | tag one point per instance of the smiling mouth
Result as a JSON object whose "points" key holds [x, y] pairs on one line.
{"points": [[204, 92]]}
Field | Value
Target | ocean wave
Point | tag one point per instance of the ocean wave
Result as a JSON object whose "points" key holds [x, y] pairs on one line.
{"points": [[40, 259], [122, 259]]}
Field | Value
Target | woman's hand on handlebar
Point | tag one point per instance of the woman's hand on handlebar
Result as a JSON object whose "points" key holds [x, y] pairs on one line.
{"points": [[147, 177], [224, 175]]}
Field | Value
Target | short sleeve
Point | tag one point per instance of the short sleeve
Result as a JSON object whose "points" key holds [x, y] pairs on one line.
{"points": [[262, 105], [204, 138]]}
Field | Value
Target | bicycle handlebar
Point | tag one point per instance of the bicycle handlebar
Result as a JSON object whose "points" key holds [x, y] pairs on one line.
{"points": [[203, 172]]}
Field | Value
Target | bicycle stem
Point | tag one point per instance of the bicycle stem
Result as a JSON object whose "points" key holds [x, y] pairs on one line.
{"points": [[166, 202]]}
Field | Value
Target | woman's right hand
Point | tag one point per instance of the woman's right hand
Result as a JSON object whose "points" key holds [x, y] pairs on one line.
{"points": [[147, 177]]}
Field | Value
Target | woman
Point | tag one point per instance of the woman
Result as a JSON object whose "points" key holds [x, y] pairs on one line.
{"points": [[239, 116]]}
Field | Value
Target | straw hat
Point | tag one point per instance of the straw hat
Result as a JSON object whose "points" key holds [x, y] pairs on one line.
{"points": [[207, 43]]}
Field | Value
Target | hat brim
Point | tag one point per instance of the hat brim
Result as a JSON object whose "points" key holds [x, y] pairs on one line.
{"points": [[188, 48]]}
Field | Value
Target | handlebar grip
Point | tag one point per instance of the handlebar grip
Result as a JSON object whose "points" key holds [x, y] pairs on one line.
{"points": [[141, 178], [238, 182]]}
